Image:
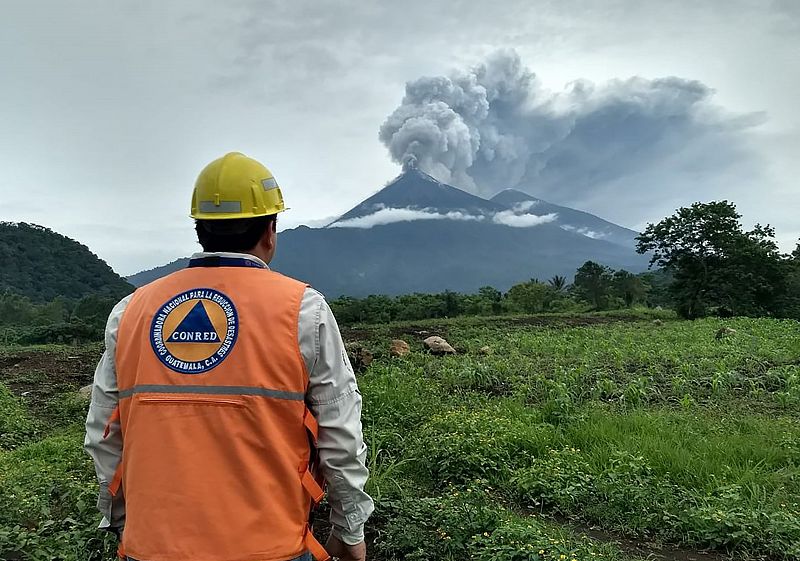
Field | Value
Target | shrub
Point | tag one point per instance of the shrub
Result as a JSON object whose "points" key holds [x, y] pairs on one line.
{"points": [[16, 426]]}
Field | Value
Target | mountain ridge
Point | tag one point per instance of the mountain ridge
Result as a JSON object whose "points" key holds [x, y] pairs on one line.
{"points": [[588, 224], [415, 189], [421, 235]]}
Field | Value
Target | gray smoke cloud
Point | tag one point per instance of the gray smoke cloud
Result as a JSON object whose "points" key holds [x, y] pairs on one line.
{"points": [[495, 126]]}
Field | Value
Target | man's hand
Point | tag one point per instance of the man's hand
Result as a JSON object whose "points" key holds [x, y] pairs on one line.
{"points": [[337, 548]]}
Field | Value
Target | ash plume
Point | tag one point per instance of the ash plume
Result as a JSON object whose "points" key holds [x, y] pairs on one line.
{"points": [[495, 126]]}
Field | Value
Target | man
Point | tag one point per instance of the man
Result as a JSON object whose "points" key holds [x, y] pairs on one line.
{"points": [[222, 387]]}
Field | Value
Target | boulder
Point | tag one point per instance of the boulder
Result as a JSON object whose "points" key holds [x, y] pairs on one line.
{"points": [[438, 346], [360, 357], [86, 392], [399, 348]]}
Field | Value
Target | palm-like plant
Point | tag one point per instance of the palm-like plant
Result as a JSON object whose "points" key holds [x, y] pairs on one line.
{"points": [[558, 283]]}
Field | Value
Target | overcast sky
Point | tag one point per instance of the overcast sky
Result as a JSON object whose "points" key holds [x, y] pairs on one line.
{"points": [[110, 109]]}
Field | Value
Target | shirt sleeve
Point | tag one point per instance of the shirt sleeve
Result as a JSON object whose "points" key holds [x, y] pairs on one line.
{"points": [[106, 451], [335, 401]]}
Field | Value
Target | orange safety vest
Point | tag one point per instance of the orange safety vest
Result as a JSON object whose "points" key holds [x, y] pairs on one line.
{"points": [[217, 459]]}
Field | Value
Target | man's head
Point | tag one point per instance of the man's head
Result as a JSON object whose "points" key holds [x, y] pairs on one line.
{"points": [[235, 205], [257, 236]]}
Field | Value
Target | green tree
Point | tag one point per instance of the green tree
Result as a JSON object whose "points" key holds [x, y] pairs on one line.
{"points": [[628, 287], [717, 266], [558, 283], [790, 304], [593, 284], [657, 288], [531, 297], [15, 309], [493, 299], [452, 303]]}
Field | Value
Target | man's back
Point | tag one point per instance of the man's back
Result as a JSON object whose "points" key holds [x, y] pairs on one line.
{"points": [[216, 413], [198, 422], [211, 369]]}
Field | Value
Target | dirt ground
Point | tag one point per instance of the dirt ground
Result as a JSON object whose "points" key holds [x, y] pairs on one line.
{"points": [[39, 375]]}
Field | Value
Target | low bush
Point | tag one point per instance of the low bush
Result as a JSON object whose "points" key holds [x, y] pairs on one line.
{"points": [[469, 523], [47, 503], [16, 426]]}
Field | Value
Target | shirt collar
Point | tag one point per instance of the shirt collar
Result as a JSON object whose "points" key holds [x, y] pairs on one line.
{"points": [[249, 257]]}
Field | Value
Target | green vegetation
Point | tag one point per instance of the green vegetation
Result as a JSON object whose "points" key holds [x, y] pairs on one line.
{"points": [[719, 268], [60, 321], [43, 265], [596, 288], [659, 431], [52, 289], [47, 483]]}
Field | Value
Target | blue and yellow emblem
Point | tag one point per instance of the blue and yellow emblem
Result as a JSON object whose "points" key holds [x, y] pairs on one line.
{"points": [[195, 331]]}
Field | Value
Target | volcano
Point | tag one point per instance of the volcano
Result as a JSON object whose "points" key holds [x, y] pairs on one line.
{"points": [[419, 191], [420, 235]]}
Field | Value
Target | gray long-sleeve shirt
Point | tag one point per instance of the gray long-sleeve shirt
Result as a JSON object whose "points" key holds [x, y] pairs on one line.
{"points": [[332, 396]]}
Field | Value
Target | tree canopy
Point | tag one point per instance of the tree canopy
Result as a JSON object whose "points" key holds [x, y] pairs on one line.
{"points": [[717, 266], [42, 265]]}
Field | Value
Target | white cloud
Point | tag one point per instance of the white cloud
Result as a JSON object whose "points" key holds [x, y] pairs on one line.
{"points": [[510, 218], [584, 231], [392, 215]]}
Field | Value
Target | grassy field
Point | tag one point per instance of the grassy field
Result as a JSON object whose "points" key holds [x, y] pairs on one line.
{"points": [[611, 437]]}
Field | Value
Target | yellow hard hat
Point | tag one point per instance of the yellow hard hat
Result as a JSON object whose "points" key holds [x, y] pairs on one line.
{"points": [[235, 186]]}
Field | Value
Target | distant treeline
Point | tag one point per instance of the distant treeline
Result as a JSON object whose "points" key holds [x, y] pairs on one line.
{"points": [[595, 288], [59, 321]]}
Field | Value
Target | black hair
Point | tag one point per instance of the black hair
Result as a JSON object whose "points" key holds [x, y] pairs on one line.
{"points": [[238, 235]]}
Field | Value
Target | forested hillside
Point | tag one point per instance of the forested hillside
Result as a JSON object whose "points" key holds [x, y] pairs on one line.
{"points": [[41, 265]]}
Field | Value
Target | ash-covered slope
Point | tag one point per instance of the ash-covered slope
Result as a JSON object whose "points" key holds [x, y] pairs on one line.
{"points": [[569, 218]]}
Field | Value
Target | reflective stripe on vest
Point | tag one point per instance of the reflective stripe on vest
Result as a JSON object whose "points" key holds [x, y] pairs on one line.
{"points": [[217, 436], [211, 390]]}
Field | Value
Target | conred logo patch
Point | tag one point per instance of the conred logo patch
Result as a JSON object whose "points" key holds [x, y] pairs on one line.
{"points": [[195, 331]]}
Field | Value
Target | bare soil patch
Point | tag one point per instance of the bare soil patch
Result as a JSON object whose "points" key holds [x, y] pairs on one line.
{"points": [[38, 375]]}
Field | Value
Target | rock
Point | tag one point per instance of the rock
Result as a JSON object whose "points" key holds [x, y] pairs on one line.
{"points": [[399, 348], [86, 392], [485, 350], [438, 346], [658, 322], [724, 332], [360, 357]]}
